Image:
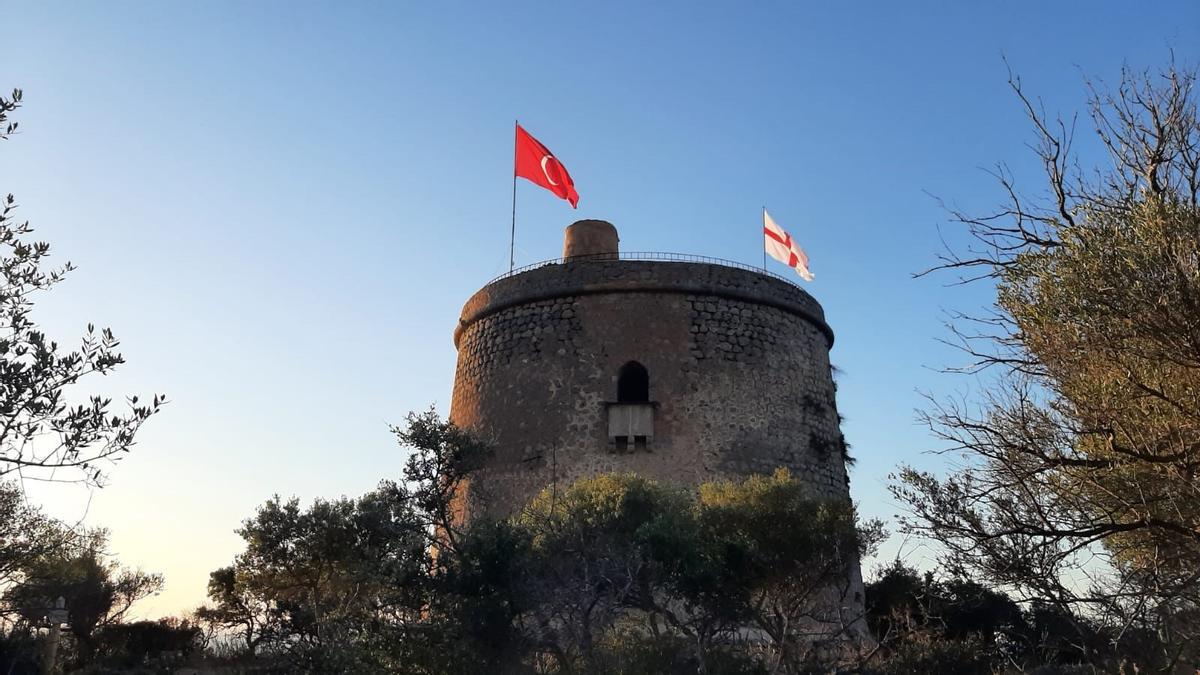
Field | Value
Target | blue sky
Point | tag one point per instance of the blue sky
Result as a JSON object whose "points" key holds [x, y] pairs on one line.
{"points": [[281, 207]]}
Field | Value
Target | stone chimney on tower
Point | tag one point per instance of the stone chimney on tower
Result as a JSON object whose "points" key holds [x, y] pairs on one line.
{"points": [[596, 238]]}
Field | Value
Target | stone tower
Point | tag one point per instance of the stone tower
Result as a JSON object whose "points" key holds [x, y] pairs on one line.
{"points": [[676, 368]]}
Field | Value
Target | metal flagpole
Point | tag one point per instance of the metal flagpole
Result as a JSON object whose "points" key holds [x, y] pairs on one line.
{"points": [[764, 240], [512, 239]]}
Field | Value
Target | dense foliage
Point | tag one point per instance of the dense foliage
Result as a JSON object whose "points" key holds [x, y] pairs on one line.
{"points": [[96, 590], [619, 574], [949, 624], [51, 566], [610, 574]]}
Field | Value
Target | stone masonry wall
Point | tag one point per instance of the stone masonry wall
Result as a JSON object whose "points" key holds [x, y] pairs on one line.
{"points": [[738, 364]]}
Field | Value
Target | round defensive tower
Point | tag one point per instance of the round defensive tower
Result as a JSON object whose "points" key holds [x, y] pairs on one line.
{"points": [[675, 368]]}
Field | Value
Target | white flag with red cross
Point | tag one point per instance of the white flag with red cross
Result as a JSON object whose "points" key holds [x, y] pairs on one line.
{"points": [[782, 247]]}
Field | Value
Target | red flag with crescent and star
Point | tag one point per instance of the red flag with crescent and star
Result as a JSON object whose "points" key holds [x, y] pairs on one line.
{"points": [[535, 163]]}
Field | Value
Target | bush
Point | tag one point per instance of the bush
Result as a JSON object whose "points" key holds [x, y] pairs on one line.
{"points": [[148, 643], [933, 655]]}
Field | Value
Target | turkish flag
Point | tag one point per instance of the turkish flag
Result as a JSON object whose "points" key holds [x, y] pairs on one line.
{"points": [[537, 164]]}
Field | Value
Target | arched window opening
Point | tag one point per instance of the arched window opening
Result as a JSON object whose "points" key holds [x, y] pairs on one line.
{"points": [[633, 383], [631, 417]]}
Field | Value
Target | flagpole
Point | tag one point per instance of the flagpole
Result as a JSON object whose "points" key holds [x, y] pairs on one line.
{"points": [[512, 239], [764, 241]]}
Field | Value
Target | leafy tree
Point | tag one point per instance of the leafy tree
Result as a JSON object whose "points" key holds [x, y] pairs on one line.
{"points": [[609, 574], [924, 652], [1079, 487], [236, 609], [793, 560], [344, 584], [898, 602], [98, 592], [137, 644], [593, 571], [591, 556], [479, 616], [7, 105], [315, 581], [970, 609], [440, 458], [44, 433], [921, 618], [20, 650], [26, 536], [937, 623]]}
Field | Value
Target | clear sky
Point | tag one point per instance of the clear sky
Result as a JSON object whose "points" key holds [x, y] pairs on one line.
{"points": [[280, 207]]}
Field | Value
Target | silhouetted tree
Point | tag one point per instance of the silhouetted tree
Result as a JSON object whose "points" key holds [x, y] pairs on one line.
{"points": [[41, 433], [343, 584], [98, 592], [139, 644], [899, 602], [610, 574], [1079, 486], [237, 609], [26, 536]]}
